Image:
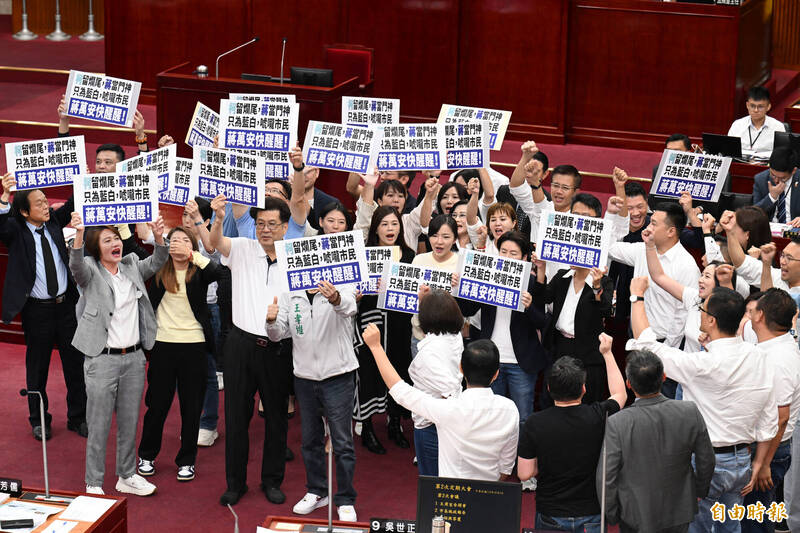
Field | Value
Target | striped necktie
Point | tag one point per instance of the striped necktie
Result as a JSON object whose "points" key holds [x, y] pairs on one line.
{"points": [[781, 208]]}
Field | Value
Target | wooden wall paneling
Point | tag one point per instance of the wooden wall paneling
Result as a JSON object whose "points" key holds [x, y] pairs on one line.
{"points": [[639, 71], [785, 34], [512, 55], [754, 65], [41, 16]]}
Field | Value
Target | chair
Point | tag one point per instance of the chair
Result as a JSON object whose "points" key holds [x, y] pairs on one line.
{"points": [[349, 60]]}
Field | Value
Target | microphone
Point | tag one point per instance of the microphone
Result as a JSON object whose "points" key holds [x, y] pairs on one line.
{"points": [[283, 50], [251, 41], [236, 519], [25, 392]]}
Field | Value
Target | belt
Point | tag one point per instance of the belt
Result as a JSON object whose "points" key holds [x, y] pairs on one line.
{"points": [[57, 300], [121, 351], [260, 341], [732, 449]]}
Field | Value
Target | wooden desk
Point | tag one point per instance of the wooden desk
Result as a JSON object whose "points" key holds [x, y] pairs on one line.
{"points": [[292, 523], [114, 520], [742, 176]]}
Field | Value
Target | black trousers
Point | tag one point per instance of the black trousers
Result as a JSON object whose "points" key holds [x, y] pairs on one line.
{"points": [[45, 325], [253, 364], [683, 528], [181, 365]]}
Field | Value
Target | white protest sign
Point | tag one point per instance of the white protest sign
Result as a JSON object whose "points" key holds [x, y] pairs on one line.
{"points": [[498, 120], [412, 147], [177, 191], [362, 111], [400, 285], [115, 198], [338, 147], [492, 279], [102, 98], [240, 177], [161, 162], [573, 239], [337, 257], [46, 163], [377, 258], [467, 145], [203, 127], [702, 175], [256, 97]]}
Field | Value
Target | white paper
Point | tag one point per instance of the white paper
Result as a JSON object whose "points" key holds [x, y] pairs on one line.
{"points": [[702, 175], [59, 526], [238, 176], [102, 98], [338, 258], [21, 510], [364, 111], [203, 127], [86, 509], [412, 147], [496, 119], [115, 198], [343, 148], [46, 162]]}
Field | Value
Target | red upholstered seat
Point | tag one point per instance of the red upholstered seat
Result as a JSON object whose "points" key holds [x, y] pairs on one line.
{"points": [[348, 60]]}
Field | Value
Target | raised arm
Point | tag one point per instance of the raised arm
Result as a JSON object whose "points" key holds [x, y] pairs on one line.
{"points": [[735, 251], [529, 149], [473, 189], [692, 213], [767, 257], [216, 239], [80, 271], [353, 185], [616, 385], [298, 204], [63, 119], [202, 231], [488, 186], [620, 178], [639, 321], [656, 269], [149, 266]]}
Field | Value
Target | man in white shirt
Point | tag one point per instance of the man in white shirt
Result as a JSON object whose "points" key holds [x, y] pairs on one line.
{"points": [[252, 361], [478, 431], [732, 383], [772, 320], [757, 130]]}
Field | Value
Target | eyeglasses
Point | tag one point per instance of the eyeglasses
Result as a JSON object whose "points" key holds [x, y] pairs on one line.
{"points": [[788, 257], [560, 187], [756, 107], [271, 225], [276, 191], [705, 310]]}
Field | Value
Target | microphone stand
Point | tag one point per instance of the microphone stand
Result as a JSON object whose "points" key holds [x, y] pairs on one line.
{"points": [[25, 392], [251, 41], [283, 50], [236, 519], [603, 475], [330, 476], [24, 34]]}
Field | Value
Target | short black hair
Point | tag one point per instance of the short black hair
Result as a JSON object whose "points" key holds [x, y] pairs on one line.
{"points": [[390, 185], [517, 238], [569, 170], [287, 189], [204, 207], [778, 308], [634, 188], [782, 159], [687, 143], [758, 93], [20, 203], [335, 206], [480, 361], [439, 314], [590, 201], [676, 217], [644, 371], [443, 220], [273, 204], [542, 157], [753, 297], [566, 379], [460, 190], [727, 307], [111, 147]]}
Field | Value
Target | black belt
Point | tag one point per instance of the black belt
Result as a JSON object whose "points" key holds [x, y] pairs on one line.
{"points": [[121, 351], [260, 341], [57, 300], [731, 449]]}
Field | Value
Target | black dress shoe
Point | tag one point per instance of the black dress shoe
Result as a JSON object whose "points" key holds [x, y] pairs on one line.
{"points": [[396, 433], [232, 496], [37, 432], [274, 494], [289, 454], [369, 440], [78, 427]]}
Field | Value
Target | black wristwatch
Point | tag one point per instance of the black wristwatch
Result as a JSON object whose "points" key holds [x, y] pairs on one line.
{"points": [[635, 299], [299, 169], [537, 187]]}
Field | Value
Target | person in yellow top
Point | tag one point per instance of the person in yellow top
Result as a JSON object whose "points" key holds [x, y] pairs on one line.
{"points": [[184, 335]]}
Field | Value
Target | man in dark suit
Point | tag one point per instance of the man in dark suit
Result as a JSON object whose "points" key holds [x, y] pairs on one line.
{"points": [[775, 189], [38, 285], [649, 446]]}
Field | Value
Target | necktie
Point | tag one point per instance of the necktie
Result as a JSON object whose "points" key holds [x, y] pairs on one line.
{"points": [[49, 265], [781, 206]]}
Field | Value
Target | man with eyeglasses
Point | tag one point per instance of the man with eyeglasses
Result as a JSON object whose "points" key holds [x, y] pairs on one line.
{"points": [[252, 361], [775, 189], [757, 130], [732, 384]]}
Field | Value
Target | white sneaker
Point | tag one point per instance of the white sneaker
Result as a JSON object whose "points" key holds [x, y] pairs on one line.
{"points": [[529, 485], [220, 382], [309, 503], [186, 473], [206, 437], [94, 490], [135, 484], [347, 513], [146, 468]]}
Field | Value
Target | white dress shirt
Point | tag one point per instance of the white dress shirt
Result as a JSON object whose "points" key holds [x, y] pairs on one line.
{"points": [[714, 253], [566, 319], [755, 141], [787, 217], [39, 289], [501, 336], [435, 369], [750, 271], [254, 284], [784, 355], [478, 431], [691, 330], [667, 315], [732, 383], [123, 329]]}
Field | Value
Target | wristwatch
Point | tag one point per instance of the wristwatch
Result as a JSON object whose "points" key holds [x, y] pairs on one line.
{"points": [[635, 299]]}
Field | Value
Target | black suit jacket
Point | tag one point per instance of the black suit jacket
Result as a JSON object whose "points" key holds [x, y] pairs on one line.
{"points": [[761, 194], [589, 314], [21, 271], [525, 327]]}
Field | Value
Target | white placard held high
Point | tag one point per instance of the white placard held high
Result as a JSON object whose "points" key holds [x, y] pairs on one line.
{"points": [[363, 111], [412, 147], [114, 198], [467, 145], [400, 285], [498, 120], [573, 240], [492, 279], [338, 258], [703, 175], [240, 177], [102, 98], [343, 148], [46, 163], [203, 127]]}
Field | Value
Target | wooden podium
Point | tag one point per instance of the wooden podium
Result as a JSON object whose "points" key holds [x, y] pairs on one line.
{"points": [[178, 91], [114, 520]]}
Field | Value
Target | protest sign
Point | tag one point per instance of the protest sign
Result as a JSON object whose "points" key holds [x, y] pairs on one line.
{"points": [[338, 147], [573, 239], [161, 162], [497, 120], [361, 111], [400, 285], [491, 279], [467, 145], [203, 127], [703, 175], [101, 98], [256, 97], [377, 258], [412, 147], [177, 191], [338, 258], [240, 177], [116, 198], [46, 163]]}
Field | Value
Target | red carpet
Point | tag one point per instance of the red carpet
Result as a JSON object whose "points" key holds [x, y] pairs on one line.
{"points": [[386, 484]]}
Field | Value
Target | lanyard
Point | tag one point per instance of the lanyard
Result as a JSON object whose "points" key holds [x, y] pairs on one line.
{"points": [[752, 142]]}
